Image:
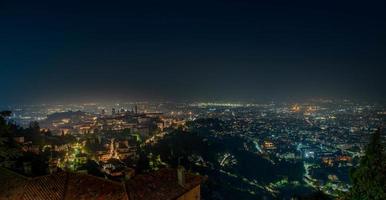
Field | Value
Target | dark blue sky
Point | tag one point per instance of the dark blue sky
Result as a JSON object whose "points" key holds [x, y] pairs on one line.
{"points": [[239, 50]]}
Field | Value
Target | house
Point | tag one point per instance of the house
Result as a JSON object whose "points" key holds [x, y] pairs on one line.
{"points": [[164, 184]]}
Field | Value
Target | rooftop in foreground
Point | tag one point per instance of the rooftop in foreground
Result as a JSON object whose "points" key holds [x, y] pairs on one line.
{"points": [[159, 185]]}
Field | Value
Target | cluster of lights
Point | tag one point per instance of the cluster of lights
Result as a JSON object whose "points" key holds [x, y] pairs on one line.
{"points": [[219, 104]]}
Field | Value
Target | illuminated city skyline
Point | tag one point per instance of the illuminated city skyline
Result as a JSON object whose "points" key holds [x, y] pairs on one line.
{"points": [[219, 99]]}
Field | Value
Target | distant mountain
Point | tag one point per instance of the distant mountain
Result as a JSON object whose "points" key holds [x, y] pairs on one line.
{"points": [[68, 114]]}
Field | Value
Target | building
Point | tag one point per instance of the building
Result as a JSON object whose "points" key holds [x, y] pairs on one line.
{"points": [[163, 184], [268, 145]]}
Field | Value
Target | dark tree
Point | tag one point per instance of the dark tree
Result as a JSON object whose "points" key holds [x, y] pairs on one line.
{"points": [[8, 148], [369, 179], [143, 162], [319, 195], [34, 134]]}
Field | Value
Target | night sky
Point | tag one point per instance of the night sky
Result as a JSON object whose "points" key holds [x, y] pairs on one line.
{"points": [[220, 50]]}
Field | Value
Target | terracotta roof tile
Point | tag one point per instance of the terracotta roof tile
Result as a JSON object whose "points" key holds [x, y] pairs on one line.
{"points": [[160, 185], [12, 184], [46, 187], [81, 186]]}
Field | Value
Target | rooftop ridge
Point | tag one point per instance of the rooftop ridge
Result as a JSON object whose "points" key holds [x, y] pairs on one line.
{"points": [[156, 185], [99, 178]]}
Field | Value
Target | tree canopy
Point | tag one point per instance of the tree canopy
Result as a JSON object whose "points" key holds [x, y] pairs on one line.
{"points": [[8, 147], [369, 179]]}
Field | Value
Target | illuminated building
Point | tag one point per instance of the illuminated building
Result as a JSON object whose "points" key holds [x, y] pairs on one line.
{"points": [[269, 145], [19, 140], [295, 108]]}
